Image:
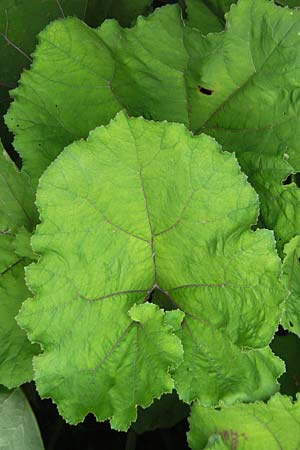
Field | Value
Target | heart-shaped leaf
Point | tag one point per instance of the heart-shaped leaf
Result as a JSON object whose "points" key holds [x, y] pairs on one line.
{"points": [[145, 212]]}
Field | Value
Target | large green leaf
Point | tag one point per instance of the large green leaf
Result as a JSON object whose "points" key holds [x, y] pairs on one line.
{"points": [[207, 15], [16, 209], [224, 84], [253, 106], [18, 427], [291, 273], [18, 39], [20, 22], [16, 197], [257, 426], [143, 208], [72, 88]]}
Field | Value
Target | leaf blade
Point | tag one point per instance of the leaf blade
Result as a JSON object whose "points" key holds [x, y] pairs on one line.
{"points": [[110, 237]]}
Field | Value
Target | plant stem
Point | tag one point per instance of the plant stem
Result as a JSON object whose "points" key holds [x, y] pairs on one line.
{"points": [[131, 440]]}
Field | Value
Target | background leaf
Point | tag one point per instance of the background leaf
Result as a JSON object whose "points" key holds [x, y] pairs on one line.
{"points": [[246, 426], [263, 132], [21, 21], [71, 88], [18, 427], [207, 15], [17, 211], [164, 70], [290, 3]]}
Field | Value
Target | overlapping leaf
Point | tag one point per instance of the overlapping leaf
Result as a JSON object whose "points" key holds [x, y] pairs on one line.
{"points": [[253, 106], [20, 22], [18, 427], [290, 3], [81, 77], [16, 210], [18, 39], [224, 84], [207, 15], [272, 426], [140, 212]]}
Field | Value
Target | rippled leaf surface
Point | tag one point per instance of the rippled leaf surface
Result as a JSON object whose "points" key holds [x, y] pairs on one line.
{"points": [[145, 213], [273, 426], [227, 85], [16, 210]]}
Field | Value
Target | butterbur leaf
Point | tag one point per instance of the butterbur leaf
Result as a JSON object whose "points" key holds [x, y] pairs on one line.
{"points": [[207, 15], [15, 351], [140, 208], [16, 209], [253, 106], [22, 244], [216, 442], [253, 426], [16, 197], [18, 427], [130, 366], [18, 39], [20, 22], [291, 273], [164, 70], [72, 88]]}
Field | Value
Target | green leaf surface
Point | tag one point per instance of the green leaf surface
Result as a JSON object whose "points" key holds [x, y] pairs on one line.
{"points": [[216, 442], [287, 347], [18, 39], [16, 209], [207, 15], [256, 426], [18, 427], [291, 274], [253, 108], [72, 88], [16, 197], [20, 22], [222, 84], [143, 207], [22, 245]]}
